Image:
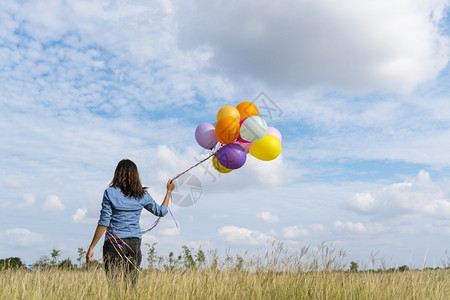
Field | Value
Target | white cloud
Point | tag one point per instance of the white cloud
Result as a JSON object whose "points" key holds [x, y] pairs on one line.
{"points": [[149, 239], [173, 231], [21, 237], [419, 195], [220, 216], [353, 45], [242, 235], [53, 204], [293, 232], [316, 227], [29, 200], [357, 227], [268, 217], [299, 231], [173, 159], [269, 173], [364, 202], [80, 217]]}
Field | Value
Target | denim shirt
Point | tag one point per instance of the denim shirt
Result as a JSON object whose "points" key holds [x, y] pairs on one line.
{"points": [[121, 214]]}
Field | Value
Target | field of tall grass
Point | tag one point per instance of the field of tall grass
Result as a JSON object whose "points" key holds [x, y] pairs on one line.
{"points": [[278, 275], [207, 284]]}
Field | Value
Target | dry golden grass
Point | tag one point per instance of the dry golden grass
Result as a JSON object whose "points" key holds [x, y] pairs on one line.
{"points": [[310, 274], [231, 284]]}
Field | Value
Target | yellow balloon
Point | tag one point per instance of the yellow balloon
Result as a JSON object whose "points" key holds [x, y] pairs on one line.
{"points": [[219, 167], [267, 148], [228, 111]]}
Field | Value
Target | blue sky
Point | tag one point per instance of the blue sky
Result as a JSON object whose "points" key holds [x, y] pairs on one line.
{"points": [[362, 98]]}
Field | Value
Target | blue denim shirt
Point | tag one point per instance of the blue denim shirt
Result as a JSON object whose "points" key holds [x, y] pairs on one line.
{"points": [[121, 214]]}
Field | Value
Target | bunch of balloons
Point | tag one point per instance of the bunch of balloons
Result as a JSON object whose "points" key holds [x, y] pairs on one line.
{"points": [[239, 130]]}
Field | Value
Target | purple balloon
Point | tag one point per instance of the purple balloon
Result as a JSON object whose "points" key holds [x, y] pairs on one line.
{"points": [[231, 156], [205, 134]]}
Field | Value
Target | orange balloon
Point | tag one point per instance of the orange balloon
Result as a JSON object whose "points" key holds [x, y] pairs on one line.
{"points": [[247, 109], [227, 130]]}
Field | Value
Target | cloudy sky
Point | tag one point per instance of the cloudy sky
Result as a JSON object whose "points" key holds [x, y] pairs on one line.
{"points": [[358, 90]]}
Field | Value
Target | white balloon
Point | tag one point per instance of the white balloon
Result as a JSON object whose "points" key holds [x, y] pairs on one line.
{"points": [[253, 129]]}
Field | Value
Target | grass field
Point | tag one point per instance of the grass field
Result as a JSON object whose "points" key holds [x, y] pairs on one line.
{"points": [[194, 284], [319, 274]]}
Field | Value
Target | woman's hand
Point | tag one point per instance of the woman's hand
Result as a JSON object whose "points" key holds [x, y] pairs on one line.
{"points": [[97, 235], [90, 255], [170, 185]]}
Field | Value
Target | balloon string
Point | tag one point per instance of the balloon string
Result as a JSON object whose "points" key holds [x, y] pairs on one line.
{"points": [[173, 218], [120, 244], [202, 161], [182, 173], [151, 227], [157, 220]]}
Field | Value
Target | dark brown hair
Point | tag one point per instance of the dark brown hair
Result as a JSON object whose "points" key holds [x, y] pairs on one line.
{"points": [[126, 177]]}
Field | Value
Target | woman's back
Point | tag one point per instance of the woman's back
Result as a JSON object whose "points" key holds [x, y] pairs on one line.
{"points": [[121, 213]]}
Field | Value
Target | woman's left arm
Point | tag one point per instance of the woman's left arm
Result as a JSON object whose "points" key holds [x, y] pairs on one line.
{"points": [[103, 222], [97, 235]]}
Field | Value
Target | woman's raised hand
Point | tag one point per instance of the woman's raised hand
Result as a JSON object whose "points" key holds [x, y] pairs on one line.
{"points": [[170, 185]]}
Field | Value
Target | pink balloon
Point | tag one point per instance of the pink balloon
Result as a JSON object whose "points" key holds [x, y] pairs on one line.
{"points": [[239, 139], [242, 121], [244, 144], [273, 131]]}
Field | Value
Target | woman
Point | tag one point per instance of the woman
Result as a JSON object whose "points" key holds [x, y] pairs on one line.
{"points": [[119, 217]]}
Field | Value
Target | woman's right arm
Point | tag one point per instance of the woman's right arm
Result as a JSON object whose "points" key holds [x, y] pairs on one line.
{"points": [[160, 210]]}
